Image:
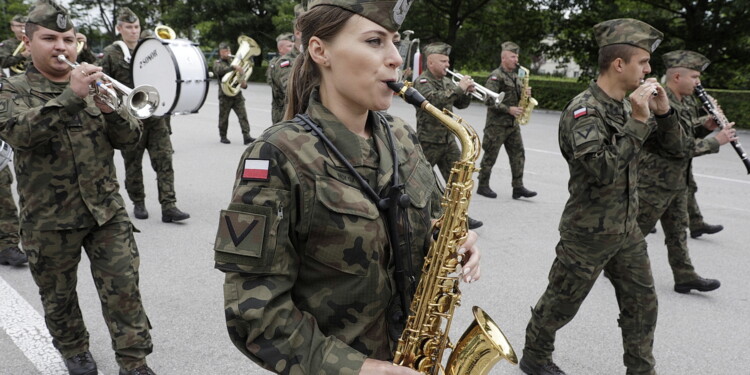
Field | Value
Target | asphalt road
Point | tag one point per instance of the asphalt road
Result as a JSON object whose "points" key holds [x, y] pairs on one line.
{"points": [[696, 333]]}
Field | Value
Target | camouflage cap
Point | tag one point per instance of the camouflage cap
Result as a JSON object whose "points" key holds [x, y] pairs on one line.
{"points": [[437, 47], [387, 13], [19, 18], [147, 33], [685, 59], [48, 14], [628, 31], [512, 47], [285, 36], [223, 45], [126, 15]]}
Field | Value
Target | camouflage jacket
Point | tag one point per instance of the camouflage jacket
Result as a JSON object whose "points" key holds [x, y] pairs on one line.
{"points": [[114, 65], [277, 76], [222, 67], [64, 147], [7, 47], [309, 270], [443, 94], [670, 170], [601, 143], [511, 85]]}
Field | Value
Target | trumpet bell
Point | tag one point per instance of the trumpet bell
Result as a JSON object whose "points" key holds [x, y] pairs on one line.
{"points": [[142, 101], [481, 346]]}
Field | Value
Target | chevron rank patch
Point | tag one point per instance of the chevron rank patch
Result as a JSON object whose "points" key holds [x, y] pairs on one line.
{"points": [[580, 112]]}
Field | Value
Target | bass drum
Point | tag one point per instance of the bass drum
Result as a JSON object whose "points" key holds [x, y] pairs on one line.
{"points": [[178, 71]]}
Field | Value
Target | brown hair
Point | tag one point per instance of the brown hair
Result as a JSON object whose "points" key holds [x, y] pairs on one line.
{"points": [[324, 22], [609, 53]]}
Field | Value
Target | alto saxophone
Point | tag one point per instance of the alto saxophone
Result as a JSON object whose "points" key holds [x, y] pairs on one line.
{"points": [[425, 337], [526, 102]]}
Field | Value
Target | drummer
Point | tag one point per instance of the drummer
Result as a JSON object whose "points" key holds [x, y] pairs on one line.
{"points": [[155, 138]]}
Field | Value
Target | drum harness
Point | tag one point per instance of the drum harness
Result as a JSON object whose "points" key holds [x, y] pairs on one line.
{"points": [[393, 204]]}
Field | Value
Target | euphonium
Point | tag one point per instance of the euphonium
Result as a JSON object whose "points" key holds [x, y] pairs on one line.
{"points": [[165, 32], [526, 102], [425, 337], [20, 67], [231, 82], [141, 101]]}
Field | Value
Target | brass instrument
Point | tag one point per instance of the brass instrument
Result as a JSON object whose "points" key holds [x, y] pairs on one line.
{"points": [[231, 82], [141, 101], [20, 67], [425, 336], [165, 32], [481, 92], [527, 103]]}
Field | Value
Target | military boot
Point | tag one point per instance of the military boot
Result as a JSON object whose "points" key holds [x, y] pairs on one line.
{"points": [[549, 368], [13, 256], [706, 229], [473, 224], [139, 210], [248, 140], [486, 191], [81, 364], [143, 370], [224, 140], [700, 284], [523, 192], [173, 214]]}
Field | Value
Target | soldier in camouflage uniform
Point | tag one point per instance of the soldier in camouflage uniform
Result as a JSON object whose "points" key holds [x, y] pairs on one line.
{"points": [[601, 135], [437, 141], [227, 103], [155, 138], [501, 127], [64, 143], [8, 46], [309, 285], [278, 71], [663, 176], [85, 55], [10, 253]]}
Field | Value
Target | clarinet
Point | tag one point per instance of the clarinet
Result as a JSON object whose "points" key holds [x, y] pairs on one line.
{"points": [[722, 121]]}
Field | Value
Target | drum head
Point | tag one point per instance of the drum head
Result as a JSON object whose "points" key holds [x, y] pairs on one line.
{"points": [[178, 71]]}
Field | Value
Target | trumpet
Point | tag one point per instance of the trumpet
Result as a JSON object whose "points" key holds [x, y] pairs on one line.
{"points": [[481, 92], [140, 102]]}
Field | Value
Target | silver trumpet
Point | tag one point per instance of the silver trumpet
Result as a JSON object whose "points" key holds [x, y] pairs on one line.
{"points": [[140, 102], [481, 92]]}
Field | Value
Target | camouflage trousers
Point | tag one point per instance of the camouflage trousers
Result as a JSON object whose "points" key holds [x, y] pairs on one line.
{"points": [[444, 155], [495, 136], [580, 259], [694, 212], [669, 206], [112, 251], [155, 139], [236, 103], [8, 211]]}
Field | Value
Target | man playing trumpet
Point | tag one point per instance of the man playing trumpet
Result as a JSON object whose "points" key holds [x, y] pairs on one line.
{"points": [[64, 141]]}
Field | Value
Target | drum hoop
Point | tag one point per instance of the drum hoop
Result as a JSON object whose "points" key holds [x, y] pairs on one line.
{"points": [[205, 79]]}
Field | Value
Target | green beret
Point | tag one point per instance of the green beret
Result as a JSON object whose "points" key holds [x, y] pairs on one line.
{"points": [[437, 47], [223, 45], [285, 36], [387, 13], [50, 15], [512, 47], [19, 18], [126, 15], [628, 31], [685, 59]]}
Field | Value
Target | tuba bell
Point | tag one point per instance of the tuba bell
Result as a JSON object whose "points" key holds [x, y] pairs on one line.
{"points": [[165, 32], [231, 82]]}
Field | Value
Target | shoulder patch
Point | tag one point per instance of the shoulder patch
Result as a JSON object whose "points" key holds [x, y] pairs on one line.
{"points": [[494, 78], [284, 64], [580, 112], [241, 233], [423, 80], [2, 44], [256, 170]]}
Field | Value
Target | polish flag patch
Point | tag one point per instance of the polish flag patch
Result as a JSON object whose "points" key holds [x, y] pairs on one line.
{"points": [[284, 64], [580, 112], [256, 170], [494, 78], [423, 80]]}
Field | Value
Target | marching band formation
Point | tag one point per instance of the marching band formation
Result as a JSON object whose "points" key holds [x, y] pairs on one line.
{"points": [[342, 250]]}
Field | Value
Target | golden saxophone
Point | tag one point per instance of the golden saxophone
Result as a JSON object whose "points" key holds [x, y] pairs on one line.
{"points": [[425, 337], [526, 102]]}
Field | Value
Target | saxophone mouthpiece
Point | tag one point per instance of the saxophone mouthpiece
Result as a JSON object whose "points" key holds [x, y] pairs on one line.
{"points": [[409, 94]]}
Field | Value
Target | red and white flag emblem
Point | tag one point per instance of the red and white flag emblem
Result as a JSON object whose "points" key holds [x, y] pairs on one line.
{"points": [[256, 169], [284, 64], [579, 112]]}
